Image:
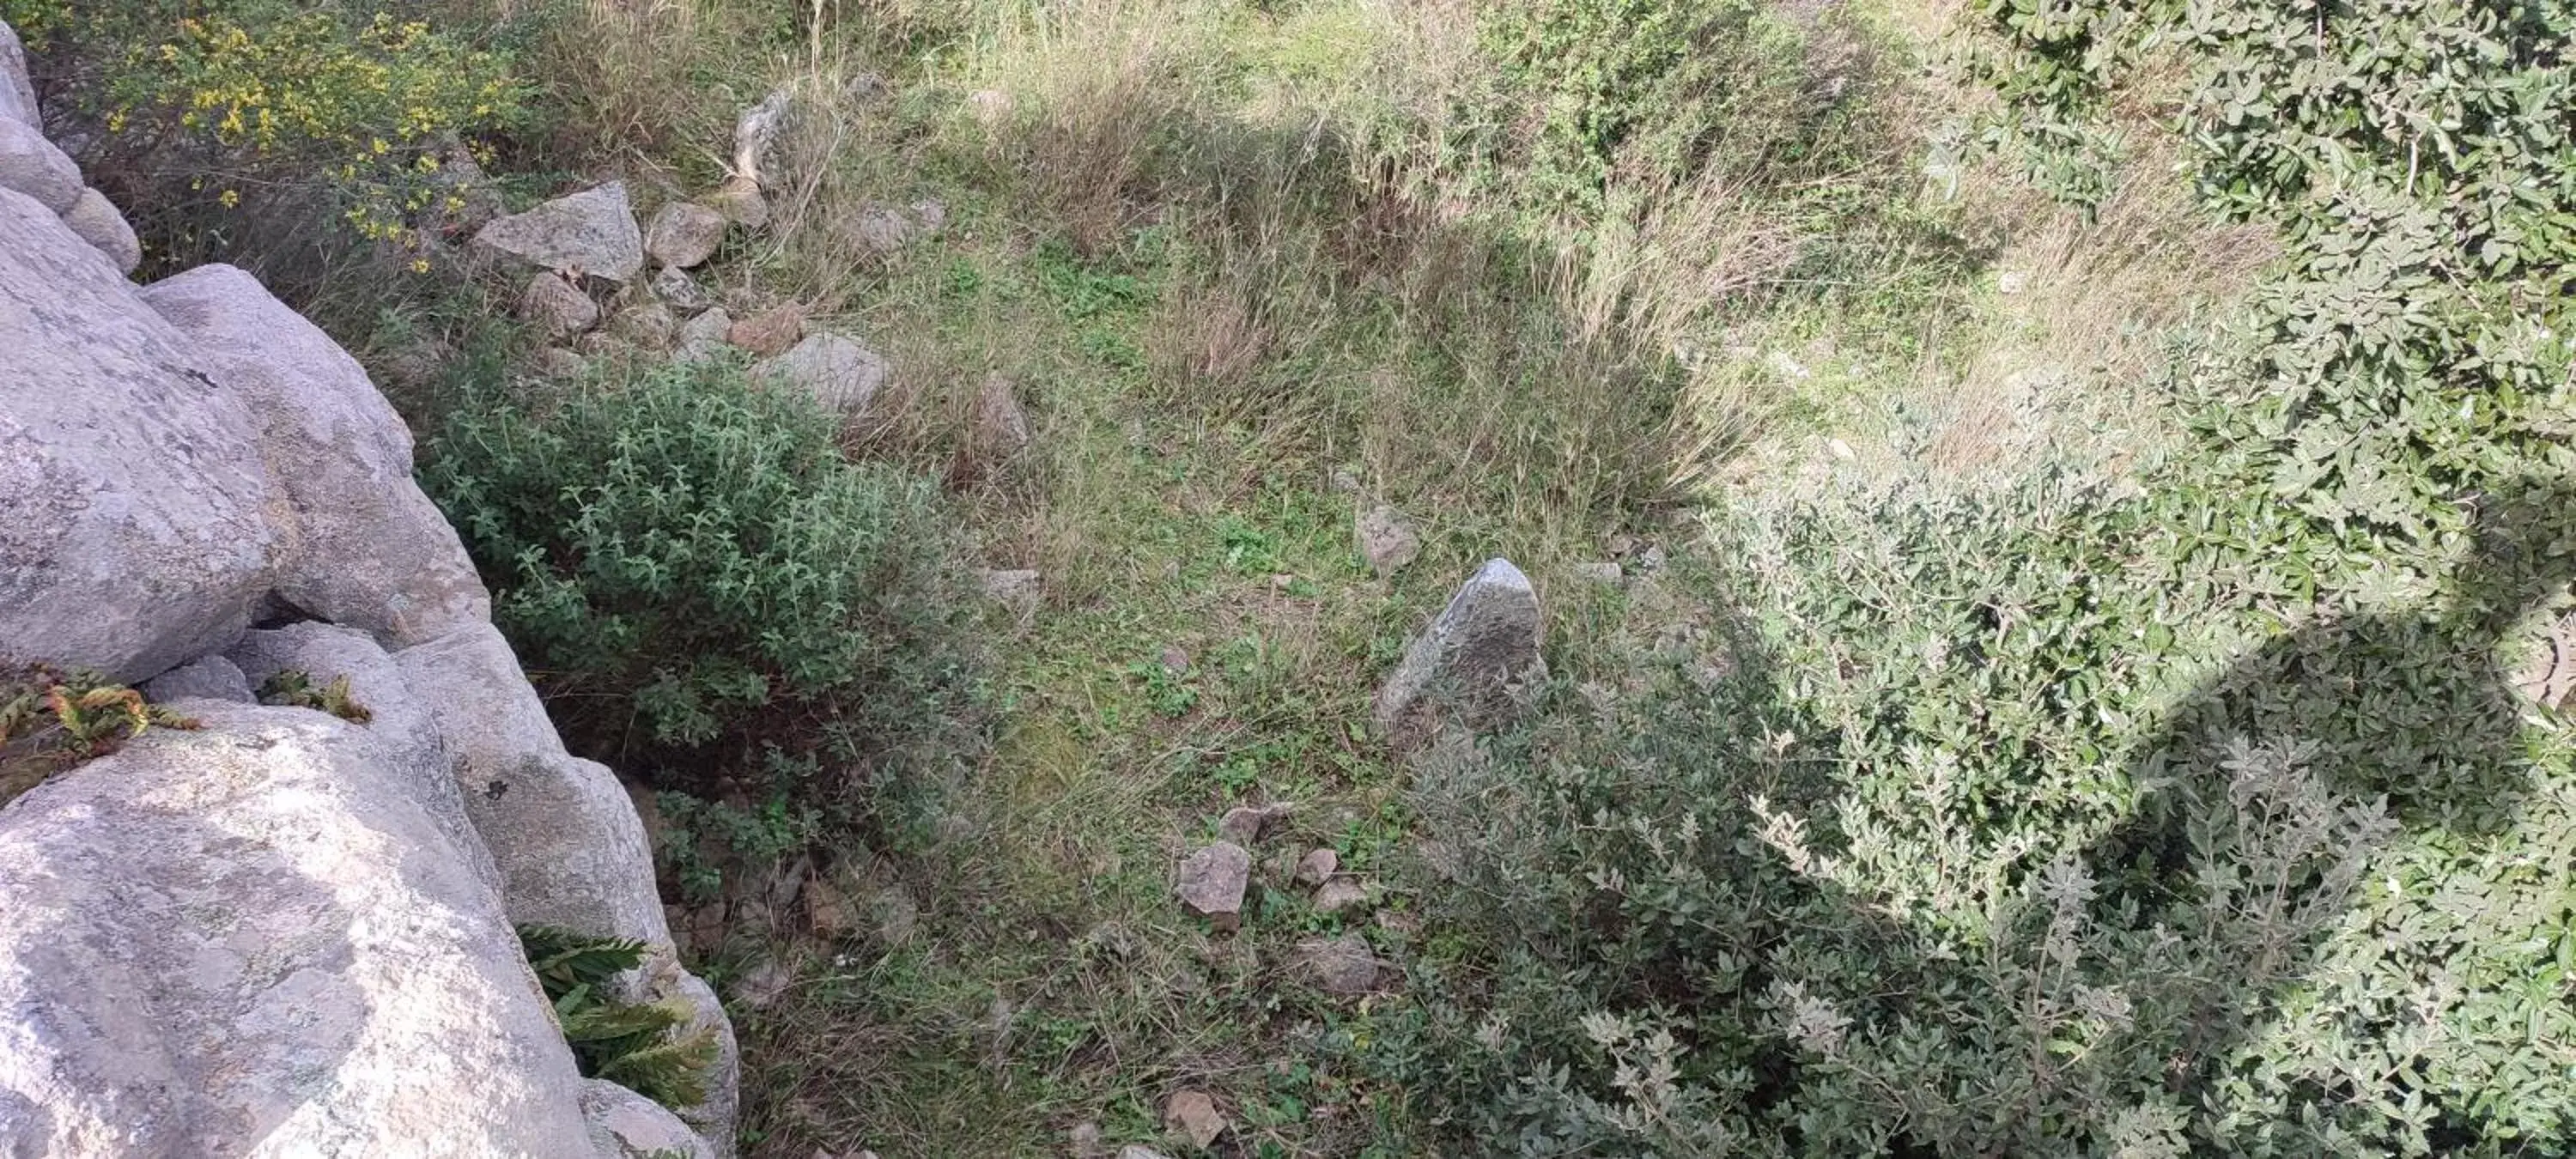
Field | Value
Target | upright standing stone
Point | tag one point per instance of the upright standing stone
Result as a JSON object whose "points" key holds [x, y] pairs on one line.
{"points": [[1476, 658]]}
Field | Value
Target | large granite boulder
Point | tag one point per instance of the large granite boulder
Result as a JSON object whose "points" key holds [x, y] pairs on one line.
{"points": [[570, 848], [30, 164], [17, 92], [288, 933], [626, 1125], [135, 517], [368, 550], [259, 939]]}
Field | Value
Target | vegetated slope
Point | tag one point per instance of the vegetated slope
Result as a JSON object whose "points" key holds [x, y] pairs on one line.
{"points": [[2080, 715], [2212, 800]]}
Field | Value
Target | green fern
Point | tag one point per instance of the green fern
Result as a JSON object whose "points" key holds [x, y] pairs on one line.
{"points": [[648, 1048], [294, 688]]}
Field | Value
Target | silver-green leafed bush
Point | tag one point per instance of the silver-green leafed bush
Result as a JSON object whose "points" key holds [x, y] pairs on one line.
{"points": [[703, 586]]}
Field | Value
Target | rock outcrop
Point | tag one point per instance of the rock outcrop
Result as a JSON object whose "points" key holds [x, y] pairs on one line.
{"points": [[260, 938], [283, 932], [33, 166]]}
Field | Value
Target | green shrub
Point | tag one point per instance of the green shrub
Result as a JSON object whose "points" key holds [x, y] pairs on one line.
{"points": [[2185, 810], [2019, 825], [706, 591], [202, 119], [1648, 87], [50, 721]]}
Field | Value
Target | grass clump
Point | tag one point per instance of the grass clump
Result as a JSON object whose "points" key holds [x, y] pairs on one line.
{"points": [[708, 593]]}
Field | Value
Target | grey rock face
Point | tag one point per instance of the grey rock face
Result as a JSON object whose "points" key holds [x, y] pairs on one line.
{"points": [[1339, 894], [31, 165], [255, 939], [370, 551], [207, 678], [1317, 866], [133, 509], [684, 235], [626, 1125], [591, 233], [1475, 659], [1244, 824], [96, 220], [17, 93], [703, 337], [839, 373], [646, 325], [396, 716], [570, 849], [681, 293], [1344, 966], [716, 1117]]}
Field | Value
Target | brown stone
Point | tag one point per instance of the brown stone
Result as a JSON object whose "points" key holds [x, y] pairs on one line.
{"points": [[770, 332], [1212, 881], [1193, 1115]]}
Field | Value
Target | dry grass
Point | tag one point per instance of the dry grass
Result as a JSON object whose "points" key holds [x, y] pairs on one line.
{"points": [[2081, 306], [1090, 89]]}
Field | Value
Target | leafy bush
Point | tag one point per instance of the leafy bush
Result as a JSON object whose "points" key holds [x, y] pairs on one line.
{"points": [[2014, 827], [646, 1047], [2179, 811], [707, 592], [1650, 87], [199, 118]]}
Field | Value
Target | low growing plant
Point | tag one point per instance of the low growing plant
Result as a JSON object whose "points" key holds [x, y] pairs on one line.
{"points": [[648, 1047], [294, 688], [50, 721], [709, 594]]}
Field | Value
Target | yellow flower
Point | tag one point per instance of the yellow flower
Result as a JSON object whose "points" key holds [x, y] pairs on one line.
{"points": [[420, 265], [228, 198]]}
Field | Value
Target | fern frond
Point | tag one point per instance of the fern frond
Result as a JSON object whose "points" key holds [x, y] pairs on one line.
{"points": [[672, 1073]]}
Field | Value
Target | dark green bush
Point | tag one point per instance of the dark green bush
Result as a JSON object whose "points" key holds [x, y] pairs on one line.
{"points": [[707, 592]]}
